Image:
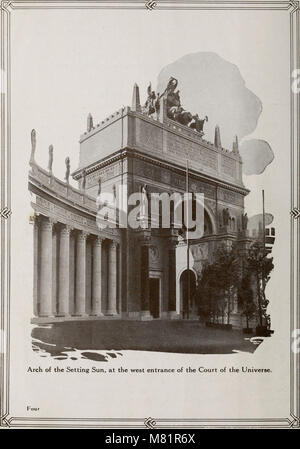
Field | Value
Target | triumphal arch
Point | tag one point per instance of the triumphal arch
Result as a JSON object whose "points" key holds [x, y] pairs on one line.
{"points": [[84, 270]]}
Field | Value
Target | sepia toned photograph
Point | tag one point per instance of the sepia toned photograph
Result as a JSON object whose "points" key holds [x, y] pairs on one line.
{"points": [[150, 207], [112, 274]]}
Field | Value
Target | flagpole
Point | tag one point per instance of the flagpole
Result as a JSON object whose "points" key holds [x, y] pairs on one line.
{"points": [[264, 221], [187, 242]]}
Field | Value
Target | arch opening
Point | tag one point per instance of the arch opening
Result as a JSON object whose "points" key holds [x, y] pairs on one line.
{"points": [[187, 295]]}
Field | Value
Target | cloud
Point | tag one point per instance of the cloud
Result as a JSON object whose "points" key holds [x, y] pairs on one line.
{"points": [[256, 155], [255, 221]]}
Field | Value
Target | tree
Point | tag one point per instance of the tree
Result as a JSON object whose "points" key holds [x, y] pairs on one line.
{"points": [[206, 293], [218, 283], [226, 278], [246, 298], [260, 265]]}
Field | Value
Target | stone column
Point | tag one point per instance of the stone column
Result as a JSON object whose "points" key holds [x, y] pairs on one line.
{"points": [[112, 279], [80, 308], [145, 299], [35, 265], [72, 274], [45, 292], [97, 277], [172, 280], [64, 271]]}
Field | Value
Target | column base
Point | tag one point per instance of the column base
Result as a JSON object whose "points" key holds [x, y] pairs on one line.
{"points": [[62, 314], [96, 314], [45, 315], [173, 315], [145, 315], [111, 313]]}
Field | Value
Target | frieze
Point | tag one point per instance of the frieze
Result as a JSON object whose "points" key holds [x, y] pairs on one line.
{"points": [[154, 173], [201, 187], [178, 181], [58, 210], [230, 197], [67, 216], [173, 180], [104, 173]]}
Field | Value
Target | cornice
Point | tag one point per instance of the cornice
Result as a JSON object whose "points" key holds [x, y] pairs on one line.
{"points": [[134, 153]]}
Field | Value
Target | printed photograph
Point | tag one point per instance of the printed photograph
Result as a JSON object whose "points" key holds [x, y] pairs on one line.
{"points": [[150, 214], [147, 244]]}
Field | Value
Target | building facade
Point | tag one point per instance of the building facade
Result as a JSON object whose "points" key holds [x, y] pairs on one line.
{"points": [[83, 271]]}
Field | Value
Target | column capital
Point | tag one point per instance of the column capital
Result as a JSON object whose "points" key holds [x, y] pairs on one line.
{"points": [[82, 235], [98, 241], [47, 223], [66, 229], [114, 244], [35, 219]]}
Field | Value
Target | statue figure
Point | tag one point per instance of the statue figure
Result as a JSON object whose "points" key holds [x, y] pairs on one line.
{"points": [[90, 124], [144, 200], [172, 111], [99, 186], [198, 124], [33, 145], [184, 117], [83, 182], [50, 160], [149, 107], [244, 221], [114, 191], [172, 85], [67, 175], [173, 99], [176, 112], [220, 219], [157, 104], [226, 216]]}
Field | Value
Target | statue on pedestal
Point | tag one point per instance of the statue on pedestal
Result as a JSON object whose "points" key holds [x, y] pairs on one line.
{"points": [[157, 104], [33, 145], [176, 112], [50, 160], [226, 216], [149, 107], [99, 186], [197, 123], [144, 200], [83, 182], [244, 221], [68, 166]]}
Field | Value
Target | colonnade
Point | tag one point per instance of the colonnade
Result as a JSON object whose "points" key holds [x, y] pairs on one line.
{"points": [[75, 273]]}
